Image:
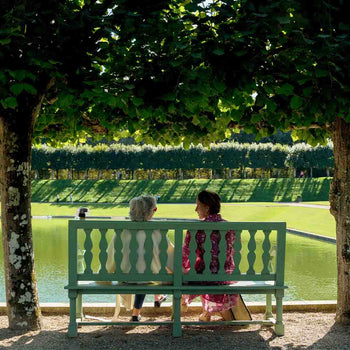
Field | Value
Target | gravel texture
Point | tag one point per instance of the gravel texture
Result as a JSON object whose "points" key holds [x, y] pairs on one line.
{"points": [[302, 331]]}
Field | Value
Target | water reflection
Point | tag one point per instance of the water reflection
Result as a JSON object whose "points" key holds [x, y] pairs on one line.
{"points": [[310, 266]]}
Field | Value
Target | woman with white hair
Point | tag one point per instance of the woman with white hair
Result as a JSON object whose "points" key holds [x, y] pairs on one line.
{"points": [[142, 208]]}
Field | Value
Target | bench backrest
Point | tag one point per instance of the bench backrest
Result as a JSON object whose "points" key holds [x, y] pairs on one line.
{"points": [[252, 245]]}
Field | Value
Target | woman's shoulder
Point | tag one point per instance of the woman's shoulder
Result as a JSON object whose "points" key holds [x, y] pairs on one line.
{"points": [[214, 218]]}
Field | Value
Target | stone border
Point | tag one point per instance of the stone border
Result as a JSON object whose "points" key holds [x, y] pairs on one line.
{"points": [[312, 235], [195, 308]]}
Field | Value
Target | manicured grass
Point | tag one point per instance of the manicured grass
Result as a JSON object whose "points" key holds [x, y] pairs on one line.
{"points": [[314, 220], [181, 191]]}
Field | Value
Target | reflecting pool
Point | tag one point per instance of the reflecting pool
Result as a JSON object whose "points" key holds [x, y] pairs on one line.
{"points": [[311, 271]]}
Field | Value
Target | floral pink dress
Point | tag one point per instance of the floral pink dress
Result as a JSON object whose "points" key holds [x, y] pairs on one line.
{"points": [[211, 302]]}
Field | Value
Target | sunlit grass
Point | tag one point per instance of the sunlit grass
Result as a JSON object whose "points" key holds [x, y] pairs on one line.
{"points": [[314, 220]]}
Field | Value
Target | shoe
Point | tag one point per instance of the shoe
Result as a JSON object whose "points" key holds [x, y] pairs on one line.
{"points": [[135, 318], [159, 302], [205, 317]]}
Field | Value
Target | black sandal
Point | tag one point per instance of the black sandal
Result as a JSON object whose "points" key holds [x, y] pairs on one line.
{"points": [[135, 318], [160, 301]]}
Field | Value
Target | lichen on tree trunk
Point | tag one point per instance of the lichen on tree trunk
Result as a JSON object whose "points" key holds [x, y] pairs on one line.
{"points": [[16, 132], [340, 208]]}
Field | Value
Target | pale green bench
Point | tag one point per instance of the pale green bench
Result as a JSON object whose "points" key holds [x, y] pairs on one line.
{"points": [[252, 258]]}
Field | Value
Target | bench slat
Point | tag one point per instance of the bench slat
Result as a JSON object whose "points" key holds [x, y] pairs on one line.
{"points": [[118, 246], [237, 246], [251, 254], [148, 251], [266, 252]]}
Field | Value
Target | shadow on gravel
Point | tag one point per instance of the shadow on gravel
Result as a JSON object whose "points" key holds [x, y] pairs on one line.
{"points": [[155, 338], [338, 338]]}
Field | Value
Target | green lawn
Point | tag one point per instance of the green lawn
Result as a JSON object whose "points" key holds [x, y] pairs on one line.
{"points": [[314, 220]]}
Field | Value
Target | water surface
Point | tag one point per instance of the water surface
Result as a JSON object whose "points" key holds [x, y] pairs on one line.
{"points": [[310, 266]]}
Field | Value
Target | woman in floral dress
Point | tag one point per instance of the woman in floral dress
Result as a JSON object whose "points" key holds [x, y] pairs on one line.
{"points": [[208, 208]]}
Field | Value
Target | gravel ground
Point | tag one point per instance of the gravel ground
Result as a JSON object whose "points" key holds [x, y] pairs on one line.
{"points": [[302, 331]]}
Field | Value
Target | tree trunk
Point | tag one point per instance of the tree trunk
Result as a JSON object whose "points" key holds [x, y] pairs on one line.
{"points": [[16, 130], [340, 208]]}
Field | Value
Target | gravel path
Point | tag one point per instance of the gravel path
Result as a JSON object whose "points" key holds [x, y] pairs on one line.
{"points": [[303, 331]]}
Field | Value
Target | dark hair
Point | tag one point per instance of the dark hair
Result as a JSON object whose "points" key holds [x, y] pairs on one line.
{"points": [[211, 199]]}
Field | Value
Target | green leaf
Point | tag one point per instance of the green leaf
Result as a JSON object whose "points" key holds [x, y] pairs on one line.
{"points": [[2, 77], [137, 101], [219, 52], [195, 120], [132, 127], [18, 74], [285, 89], [5, 41], [9, 102], [16, 89], [30, 89], [321, 73], [283, 20], [296, 102], [171, 96], [271, 105], [196, 55], [307, 91], [219, 86]]}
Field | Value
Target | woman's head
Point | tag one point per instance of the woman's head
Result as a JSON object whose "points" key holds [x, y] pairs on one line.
{"points": [[142, 208], [208, 203]]}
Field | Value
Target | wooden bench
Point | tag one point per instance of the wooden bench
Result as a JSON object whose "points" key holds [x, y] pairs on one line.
{"points": [[252, 272]]}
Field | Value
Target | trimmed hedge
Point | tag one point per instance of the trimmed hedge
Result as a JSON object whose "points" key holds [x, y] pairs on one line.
{"points": [[266, 156]]}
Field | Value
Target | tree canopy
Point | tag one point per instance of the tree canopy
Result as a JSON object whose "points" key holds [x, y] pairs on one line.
{"points": [[176, 71]]}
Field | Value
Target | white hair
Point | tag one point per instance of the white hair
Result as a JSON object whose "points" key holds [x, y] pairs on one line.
{"points": [[141, 208]]}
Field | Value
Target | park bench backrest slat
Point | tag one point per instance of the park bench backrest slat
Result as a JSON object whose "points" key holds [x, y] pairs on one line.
{"points": [[252, 244]]}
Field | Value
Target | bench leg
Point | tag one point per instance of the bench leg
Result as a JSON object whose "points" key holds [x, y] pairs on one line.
{"points": [[268, 311], [117, 307], [177, 328], [72, 327], [79, 307], [279, 327]]}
